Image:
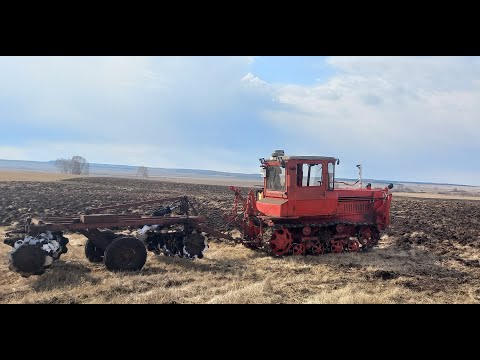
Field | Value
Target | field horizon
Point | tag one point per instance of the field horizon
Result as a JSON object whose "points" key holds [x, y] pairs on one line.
{"points": [[100, 169]]}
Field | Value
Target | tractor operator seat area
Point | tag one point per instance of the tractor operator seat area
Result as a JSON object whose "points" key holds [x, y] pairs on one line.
{"points": [[275, 178]]}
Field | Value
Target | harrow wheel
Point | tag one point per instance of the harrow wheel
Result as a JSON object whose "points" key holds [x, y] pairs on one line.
{"points": [[28, 260], [125, 254], [318, 249], [336, 246], [353, 246], [94, 254], [299, 249], [281, 242]]}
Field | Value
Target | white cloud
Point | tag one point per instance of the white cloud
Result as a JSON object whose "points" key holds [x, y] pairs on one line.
{"points": [[386, 108], [253, 80], [111, 97], [153, 110]]}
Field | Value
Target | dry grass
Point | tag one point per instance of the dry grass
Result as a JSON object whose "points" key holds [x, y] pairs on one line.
{"points": [[6, 175], [234, 274]]}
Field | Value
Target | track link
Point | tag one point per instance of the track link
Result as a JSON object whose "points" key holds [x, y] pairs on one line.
{"points": [[283, 239]]}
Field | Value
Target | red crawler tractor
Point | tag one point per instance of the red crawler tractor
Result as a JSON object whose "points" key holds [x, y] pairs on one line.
{"points": [[300, 210]]}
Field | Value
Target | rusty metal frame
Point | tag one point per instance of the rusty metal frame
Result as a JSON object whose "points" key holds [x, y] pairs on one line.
{"points": [[128, 205], [75, 224], [89, 223]]}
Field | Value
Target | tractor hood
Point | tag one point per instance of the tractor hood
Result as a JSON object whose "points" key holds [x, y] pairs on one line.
{"points": [[273, 206]]}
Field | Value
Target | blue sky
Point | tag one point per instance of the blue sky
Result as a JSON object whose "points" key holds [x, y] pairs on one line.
{"points": [[404, 118]]}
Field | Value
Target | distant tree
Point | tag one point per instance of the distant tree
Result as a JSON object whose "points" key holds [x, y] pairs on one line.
{"points": [[142, 171], [80, 166], [77, 165], [63, 165]]}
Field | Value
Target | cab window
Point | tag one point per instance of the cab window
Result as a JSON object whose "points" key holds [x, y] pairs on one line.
{"points": [[309, 175], [331, 176]]}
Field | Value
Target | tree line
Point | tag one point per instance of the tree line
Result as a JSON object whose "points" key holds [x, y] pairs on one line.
{"points": [[77, 165]]}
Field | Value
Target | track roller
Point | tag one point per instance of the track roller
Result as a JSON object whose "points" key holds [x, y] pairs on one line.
{"points": [[318, 249], [336, 246], [353, 246], [299, 249]]}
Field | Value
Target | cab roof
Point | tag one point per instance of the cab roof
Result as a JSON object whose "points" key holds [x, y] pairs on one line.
{"points": [[306, 157]]}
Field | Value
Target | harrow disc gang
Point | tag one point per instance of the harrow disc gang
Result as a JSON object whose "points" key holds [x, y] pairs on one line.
{"points": [[32, 255]]}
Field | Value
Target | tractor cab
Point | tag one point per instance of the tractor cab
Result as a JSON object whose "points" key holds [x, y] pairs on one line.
{"points": [[297, 186]]}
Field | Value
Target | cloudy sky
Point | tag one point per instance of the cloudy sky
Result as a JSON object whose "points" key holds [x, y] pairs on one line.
{"points": [[403, 118]]}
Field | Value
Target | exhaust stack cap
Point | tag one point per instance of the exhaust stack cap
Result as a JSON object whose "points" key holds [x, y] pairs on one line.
{"points": [[278, 153]]}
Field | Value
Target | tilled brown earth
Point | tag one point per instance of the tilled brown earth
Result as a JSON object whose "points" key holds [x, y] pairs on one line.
{"points": [[431, 253], [445, 227], [20, 200]]}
